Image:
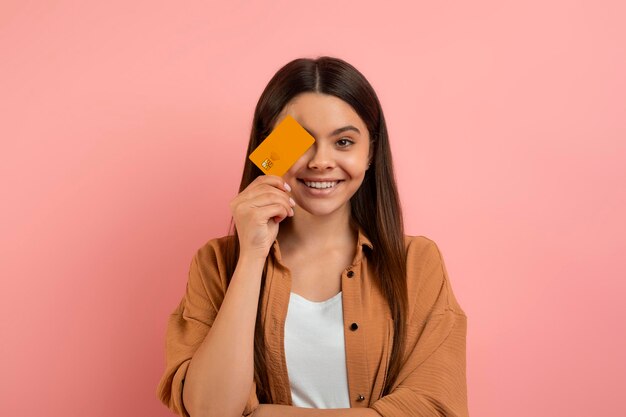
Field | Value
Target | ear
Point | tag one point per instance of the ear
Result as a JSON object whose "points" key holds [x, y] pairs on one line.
{"points": [[370, 158], [370, 154]]}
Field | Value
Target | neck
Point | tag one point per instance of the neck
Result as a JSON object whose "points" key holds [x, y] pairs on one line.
{"points": [[307, 231]]}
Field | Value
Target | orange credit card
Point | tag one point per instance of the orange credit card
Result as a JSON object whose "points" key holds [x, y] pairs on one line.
{"points": [[282, 148]]}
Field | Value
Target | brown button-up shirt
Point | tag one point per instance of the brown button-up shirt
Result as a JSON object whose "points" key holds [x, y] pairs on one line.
{"points": [[432, 379]]}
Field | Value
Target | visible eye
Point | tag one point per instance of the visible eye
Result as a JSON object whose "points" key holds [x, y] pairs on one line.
{"points": [[344, 142]]}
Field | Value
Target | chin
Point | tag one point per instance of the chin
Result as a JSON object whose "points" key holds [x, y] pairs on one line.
{"points": [[320, 210]]}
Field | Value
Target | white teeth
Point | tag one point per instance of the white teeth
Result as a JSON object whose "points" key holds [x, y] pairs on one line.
{"points": [[321, 185]]}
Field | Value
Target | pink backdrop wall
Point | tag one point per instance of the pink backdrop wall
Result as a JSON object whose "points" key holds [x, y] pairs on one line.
{"points": [[123, 127]]}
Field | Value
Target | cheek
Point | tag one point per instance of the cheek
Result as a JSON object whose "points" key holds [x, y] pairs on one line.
{"points": [[355, 164], [291, 174], [295, 167]]}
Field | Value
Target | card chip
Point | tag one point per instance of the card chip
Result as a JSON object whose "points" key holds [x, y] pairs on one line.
{"points": [[267, 164]]}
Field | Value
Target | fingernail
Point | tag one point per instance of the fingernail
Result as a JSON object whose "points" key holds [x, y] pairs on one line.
{"points": [[287, 187], [291, 201], [292, 213]]}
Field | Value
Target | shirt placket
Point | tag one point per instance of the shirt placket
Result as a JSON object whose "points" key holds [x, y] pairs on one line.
{"points": [[355, 340], [277, 289]]}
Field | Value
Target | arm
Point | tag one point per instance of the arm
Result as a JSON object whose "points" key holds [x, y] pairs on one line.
{"points": [[210, 336], [191, 330], [432, 381], [436, 386], [221, 372]]}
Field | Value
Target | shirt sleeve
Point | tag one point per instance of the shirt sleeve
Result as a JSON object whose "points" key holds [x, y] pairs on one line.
{"points": [[189, 324], [432, 380]]}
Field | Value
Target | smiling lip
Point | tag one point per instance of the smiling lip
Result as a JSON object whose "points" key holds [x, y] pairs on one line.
{"points": [[319, 179], [319, 192]]}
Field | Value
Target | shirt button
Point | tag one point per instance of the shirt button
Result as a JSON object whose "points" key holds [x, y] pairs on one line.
{"points": [[360, 398], [350, 274], [354, 326]]}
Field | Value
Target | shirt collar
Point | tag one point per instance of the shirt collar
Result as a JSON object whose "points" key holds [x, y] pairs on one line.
{"points": [[363, 239]]}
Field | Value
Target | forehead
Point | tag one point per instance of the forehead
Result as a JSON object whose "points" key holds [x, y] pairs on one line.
{"points": [[320, 114]]}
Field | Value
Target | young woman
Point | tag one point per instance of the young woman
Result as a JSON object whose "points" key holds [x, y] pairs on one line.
{"points": [[318, 304]]}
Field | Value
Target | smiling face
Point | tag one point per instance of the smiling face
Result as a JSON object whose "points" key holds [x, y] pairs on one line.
{"points": [[325, 178]]}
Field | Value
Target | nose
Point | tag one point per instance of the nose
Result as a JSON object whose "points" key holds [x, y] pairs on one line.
{"points": [[321, 157]]}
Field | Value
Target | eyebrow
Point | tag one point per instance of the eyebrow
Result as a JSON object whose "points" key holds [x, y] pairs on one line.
{"points": [[337, 131]]}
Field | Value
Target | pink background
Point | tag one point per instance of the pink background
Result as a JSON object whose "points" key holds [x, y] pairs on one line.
{"points": [[123, 127]]}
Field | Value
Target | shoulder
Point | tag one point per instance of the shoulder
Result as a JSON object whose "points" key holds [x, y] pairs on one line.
{"points": [[209, 262], [419, 244], [422, 254], [215, 248], [428, 284]]}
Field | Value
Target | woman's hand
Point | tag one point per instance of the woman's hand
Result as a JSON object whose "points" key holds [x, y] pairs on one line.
{"points": [[273, 410], [257, 210]]}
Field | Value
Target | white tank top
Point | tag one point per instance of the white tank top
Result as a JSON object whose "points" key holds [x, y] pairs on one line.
{"points": [[315, 353]]}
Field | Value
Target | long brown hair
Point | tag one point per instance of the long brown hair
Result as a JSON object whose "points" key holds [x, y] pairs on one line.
{"points": [[375, 205]]}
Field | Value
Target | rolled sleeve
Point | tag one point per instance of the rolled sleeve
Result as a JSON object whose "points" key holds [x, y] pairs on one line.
{"points": [[436, 386], [432, 380]]}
